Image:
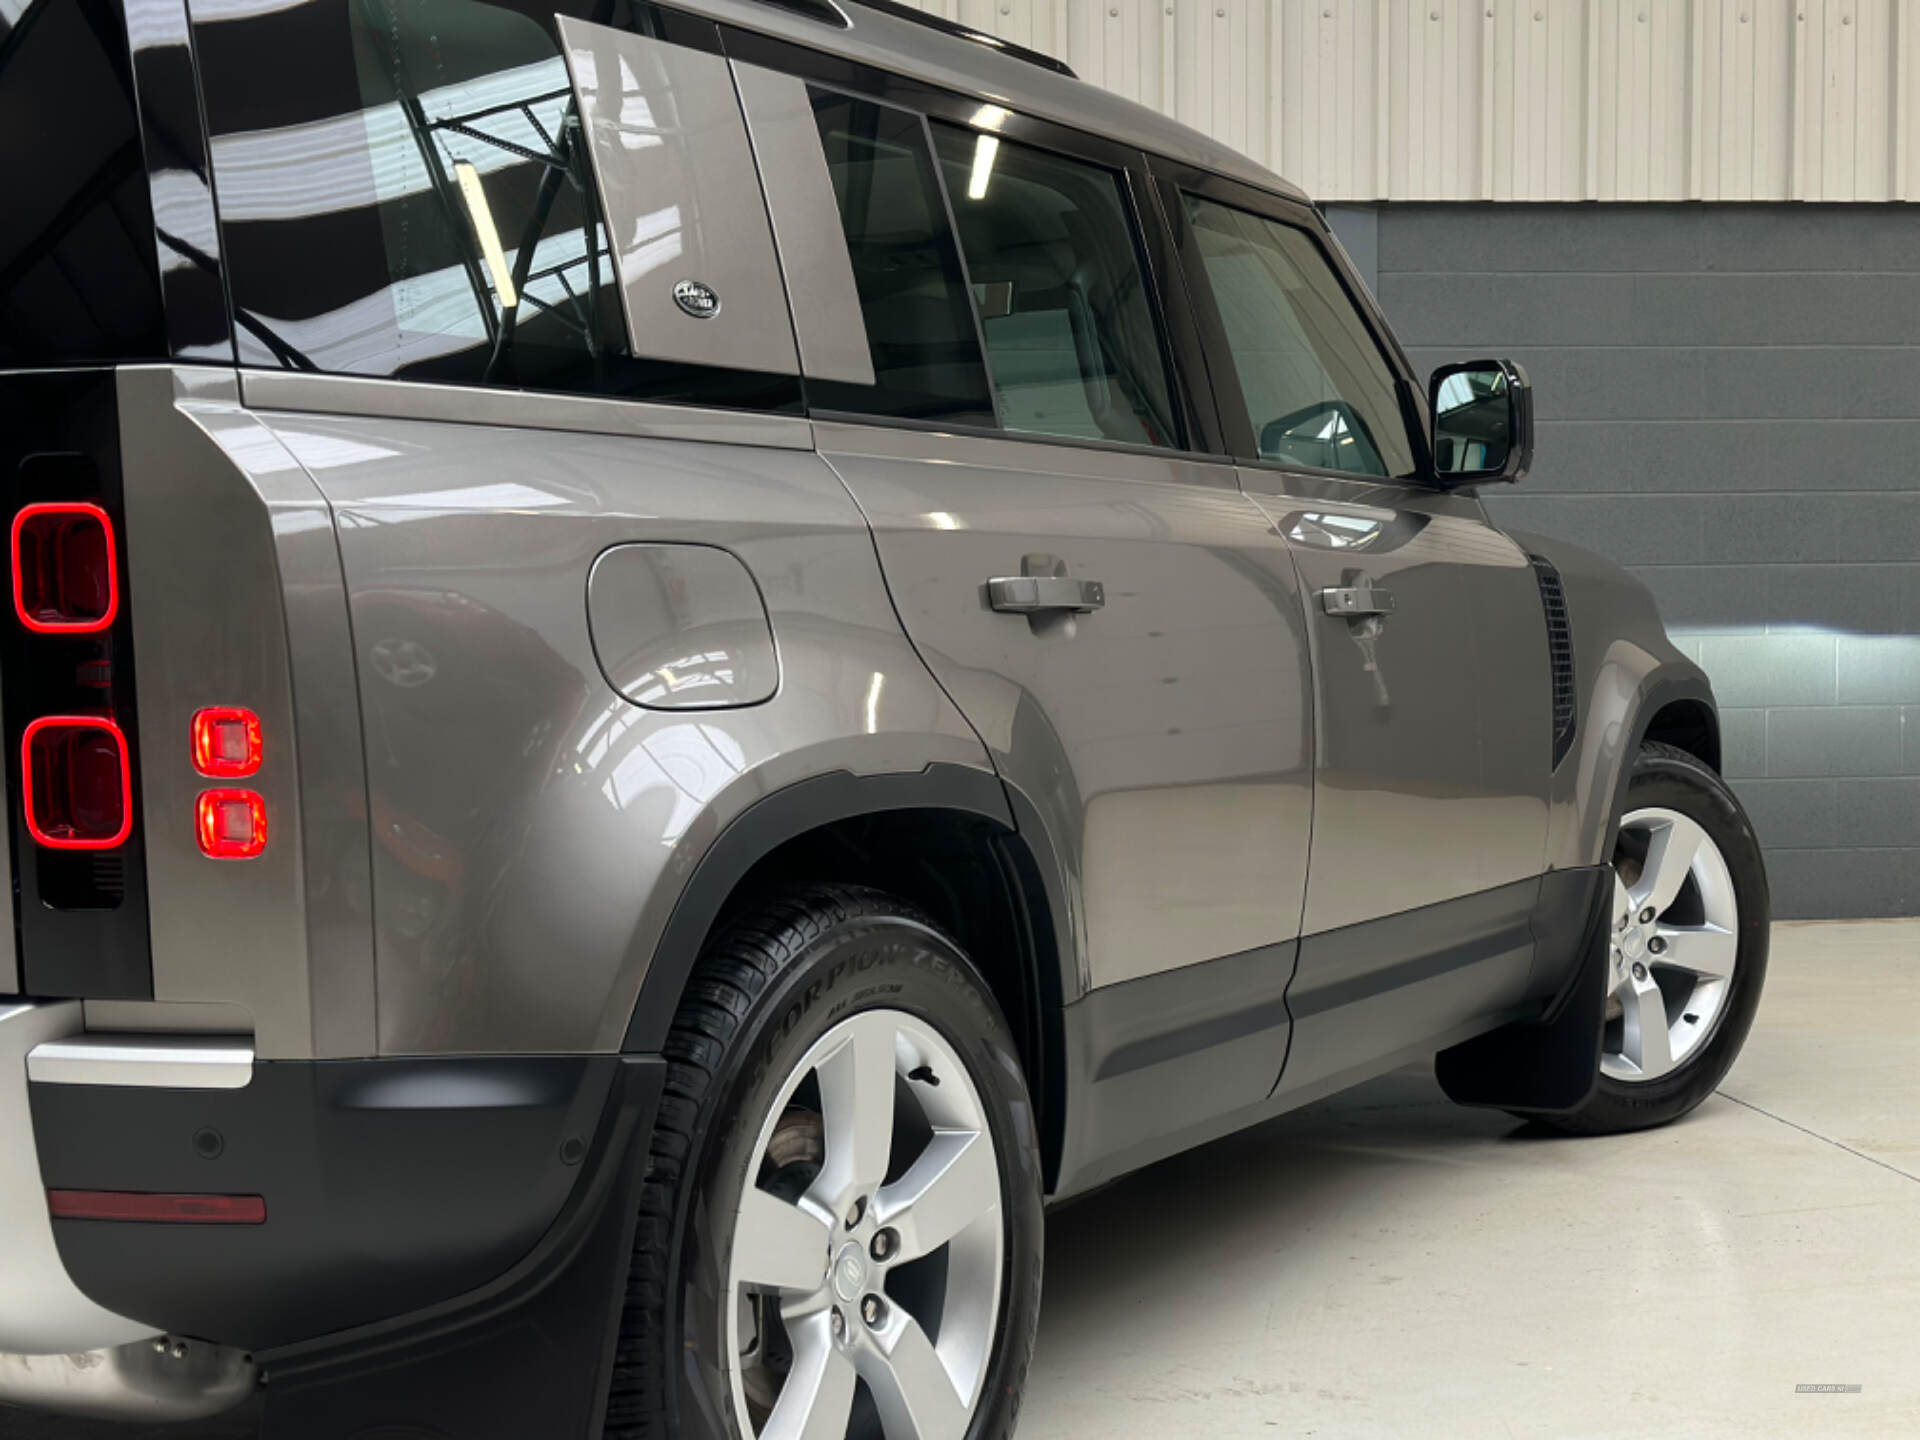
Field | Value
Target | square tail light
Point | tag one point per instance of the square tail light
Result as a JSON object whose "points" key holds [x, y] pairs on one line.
{"points": [[66, 579], [77, 783], [226, 742], [232, 824]]}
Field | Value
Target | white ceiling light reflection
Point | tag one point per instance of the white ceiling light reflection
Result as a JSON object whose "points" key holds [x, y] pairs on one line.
{"points": [[985, 148], [656, 241], [689, 763], [208, 12], [474, 194], [687, 674]]}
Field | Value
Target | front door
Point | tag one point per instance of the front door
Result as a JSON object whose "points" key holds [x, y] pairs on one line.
{"points": [[1433, 697]]}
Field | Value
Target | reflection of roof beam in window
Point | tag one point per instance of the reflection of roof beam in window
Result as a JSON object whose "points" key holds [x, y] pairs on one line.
{"points": [[348, 162], [180, 209], [427, 315]]}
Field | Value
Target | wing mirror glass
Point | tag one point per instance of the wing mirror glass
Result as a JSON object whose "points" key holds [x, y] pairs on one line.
{"points": [[1482, 423]]}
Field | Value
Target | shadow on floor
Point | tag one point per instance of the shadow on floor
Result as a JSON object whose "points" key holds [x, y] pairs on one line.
{"points": [[1288, 1177]]}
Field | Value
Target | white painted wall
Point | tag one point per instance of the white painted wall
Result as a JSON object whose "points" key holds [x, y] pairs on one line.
{"points": [[1517, 99]]}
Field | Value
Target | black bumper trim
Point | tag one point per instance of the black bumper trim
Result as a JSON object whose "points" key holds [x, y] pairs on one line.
{"points": [[390, 1185], [529, 1353]]}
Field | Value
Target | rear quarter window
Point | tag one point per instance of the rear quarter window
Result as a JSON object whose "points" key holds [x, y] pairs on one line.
{"points": [[378, 161], [919, 321], [79, 269]]}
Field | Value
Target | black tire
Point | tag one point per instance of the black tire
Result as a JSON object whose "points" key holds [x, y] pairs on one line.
{"points": [[1671, 778], [777, 978]]}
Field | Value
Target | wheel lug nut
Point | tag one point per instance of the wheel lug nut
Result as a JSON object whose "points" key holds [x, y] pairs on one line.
{"points": [[1639, 971], [857, 1214], [1646, 915], [873, 1310], [1657, 945], [884, 1244], [839, 1325]]}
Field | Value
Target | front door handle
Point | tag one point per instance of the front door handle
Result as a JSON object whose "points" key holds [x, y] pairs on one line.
{"points": [[1039, 594], [1355, 601]]}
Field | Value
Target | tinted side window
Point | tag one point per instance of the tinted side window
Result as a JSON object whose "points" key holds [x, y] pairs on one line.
{"points": [[392, 174], [1318, 390], [79, 270], [920, 330], [1071, 336]]}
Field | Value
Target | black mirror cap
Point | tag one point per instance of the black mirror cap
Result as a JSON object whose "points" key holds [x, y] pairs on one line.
{"points": [[1519, 459]]}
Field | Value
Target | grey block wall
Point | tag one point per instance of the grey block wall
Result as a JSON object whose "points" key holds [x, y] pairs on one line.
{"points": [[1729, 403]]}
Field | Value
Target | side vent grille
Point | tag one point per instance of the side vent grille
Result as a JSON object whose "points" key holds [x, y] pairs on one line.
{"points": [[1553, 598]]}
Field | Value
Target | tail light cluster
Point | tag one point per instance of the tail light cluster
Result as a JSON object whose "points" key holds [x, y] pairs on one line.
{"points": [[76, 782], [76, 772], [76, 779], [231, 823], [65, 581]]}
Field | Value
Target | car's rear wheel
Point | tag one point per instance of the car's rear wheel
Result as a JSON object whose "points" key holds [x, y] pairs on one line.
{"points": [[841, 1232], [1687, 945]]}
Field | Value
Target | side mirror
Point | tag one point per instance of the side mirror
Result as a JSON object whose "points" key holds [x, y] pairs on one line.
{"points": [[1482, 423]]}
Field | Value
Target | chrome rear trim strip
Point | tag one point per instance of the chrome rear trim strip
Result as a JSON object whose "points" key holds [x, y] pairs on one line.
{"points": [[167, 1062]]}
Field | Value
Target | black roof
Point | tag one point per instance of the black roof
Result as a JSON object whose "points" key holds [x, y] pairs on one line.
{"points": [[828, 11]]}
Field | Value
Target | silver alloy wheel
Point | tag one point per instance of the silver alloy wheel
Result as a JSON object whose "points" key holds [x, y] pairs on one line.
{"points": [[817, 1266], [1675, 941]]}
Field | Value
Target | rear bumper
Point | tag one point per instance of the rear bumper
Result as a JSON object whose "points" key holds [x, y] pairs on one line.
{"points": [[42, 1310], [445, 1241], [389, 1185]]}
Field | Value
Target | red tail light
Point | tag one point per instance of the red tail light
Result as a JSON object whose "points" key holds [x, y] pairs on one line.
{"points": [[77, 782], [226, 742], [65, 580], [232, 824], [161, 1209]]}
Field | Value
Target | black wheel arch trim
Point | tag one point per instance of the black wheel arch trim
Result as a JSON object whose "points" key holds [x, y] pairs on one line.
{"points": [[786, 814], [1672, 684]]}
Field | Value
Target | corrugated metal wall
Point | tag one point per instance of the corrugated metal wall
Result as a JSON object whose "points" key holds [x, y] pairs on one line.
{"points": [[1517, 99]]}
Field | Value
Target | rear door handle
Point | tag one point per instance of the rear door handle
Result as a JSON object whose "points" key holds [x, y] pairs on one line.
{"points": [[1039, 594], [1357, 600]]}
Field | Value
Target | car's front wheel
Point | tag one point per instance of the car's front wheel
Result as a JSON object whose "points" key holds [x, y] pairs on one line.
{"points": [[840, 1235], [1687, 948]]}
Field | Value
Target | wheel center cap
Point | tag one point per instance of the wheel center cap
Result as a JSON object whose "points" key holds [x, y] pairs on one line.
{"points": [[1633, 944], [850, 1272]]}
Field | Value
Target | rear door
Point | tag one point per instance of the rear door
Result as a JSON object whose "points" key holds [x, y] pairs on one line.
{"points": [[1118, 621], [1431, 667]]}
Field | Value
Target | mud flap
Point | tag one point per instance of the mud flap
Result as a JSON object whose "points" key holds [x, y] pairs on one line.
{"points": [[1548, 1066], [530, 1357]]}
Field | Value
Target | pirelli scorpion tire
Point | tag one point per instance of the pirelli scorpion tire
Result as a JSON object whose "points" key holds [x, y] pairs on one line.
{"points": [[840, 1227], [1687, 949]]}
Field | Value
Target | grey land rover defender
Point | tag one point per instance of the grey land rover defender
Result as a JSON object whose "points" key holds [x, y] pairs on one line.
{"points": [[672, 662]]}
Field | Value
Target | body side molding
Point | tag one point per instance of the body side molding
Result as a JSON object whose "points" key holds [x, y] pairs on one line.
{"points": [[1155, 1060]]}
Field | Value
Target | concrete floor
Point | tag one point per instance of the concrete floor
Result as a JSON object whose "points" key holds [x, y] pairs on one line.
{"points": [[1387, 1264]]}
